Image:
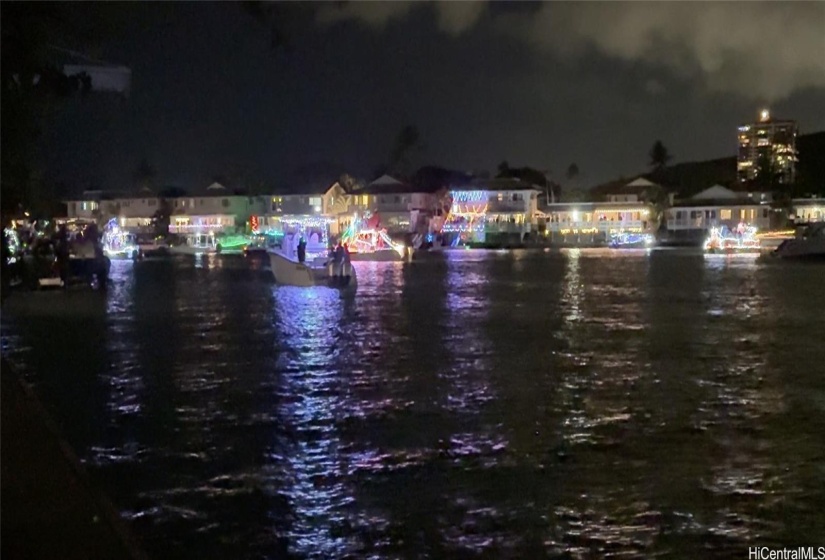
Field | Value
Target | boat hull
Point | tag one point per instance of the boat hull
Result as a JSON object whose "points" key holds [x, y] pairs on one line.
{"points": [[389, 255], [190, 250], [288, 272], [801, 249]]}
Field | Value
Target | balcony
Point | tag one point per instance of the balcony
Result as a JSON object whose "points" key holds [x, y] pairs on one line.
{"points": [[506, 206], [603, 226]]}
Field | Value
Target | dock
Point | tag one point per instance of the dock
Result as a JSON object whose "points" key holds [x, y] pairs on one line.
{"points": [[50, 505]]}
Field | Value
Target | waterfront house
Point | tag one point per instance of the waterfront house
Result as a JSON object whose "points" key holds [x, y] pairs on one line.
{"points": [[134, 211], [402, 207], [308, 202], [493, 210], [806, 210], [215, 209], [690, 220], [622, 207], [593, 223]]}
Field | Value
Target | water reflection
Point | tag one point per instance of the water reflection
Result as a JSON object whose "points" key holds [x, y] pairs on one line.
{"points": [[308, 325], [572, 404]]}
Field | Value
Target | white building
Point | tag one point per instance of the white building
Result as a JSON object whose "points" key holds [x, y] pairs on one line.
{"points": [[489, 210], [595, 222], [807, 210], [216, 209], [308, 203], [717, 206], [133, 211]]}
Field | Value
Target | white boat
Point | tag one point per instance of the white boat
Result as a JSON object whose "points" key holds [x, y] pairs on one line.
{"points": [[809, 243], [290, 272]]}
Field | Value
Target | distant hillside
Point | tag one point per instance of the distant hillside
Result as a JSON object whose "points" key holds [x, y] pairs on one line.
{"points": [[689, 178]]}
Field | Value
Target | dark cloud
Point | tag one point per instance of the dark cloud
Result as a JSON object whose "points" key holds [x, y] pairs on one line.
{"points": [[761, 50], [536, 84], [452, 17]]}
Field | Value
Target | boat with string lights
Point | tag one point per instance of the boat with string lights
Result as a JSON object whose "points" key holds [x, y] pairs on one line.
{"points": [[308, 236], [626, 240], [119, 243], [743, 239], [366, 241], [209, 242]]}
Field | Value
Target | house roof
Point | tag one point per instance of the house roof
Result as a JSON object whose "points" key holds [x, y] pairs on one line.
{"points": [[641, 182], [497, 184], [385, 180], [709, 202], [308, 188], [400, 188], [716, 192], [637, 186]]}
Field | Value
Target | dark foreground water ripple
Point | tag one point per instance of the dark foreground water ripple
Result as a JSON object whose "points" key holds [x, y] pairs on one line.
{"points": [[583, 404]]}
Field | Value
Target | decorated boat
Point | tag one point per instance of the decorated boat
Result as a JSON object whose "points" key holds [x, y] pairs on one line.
{"points": [[366, 241], [209, 242], [119, 243], [631, 240], [743, 239], [320, 271]]}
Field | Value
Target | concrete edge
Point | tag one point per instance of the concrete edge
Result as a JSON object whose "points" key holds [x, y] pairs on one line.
{"points": [[109, 513]]}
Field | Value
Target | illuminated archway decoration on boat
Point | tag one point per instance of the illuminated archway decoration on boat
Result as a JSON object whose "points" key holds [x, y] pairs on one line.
{"points": [[363, 236], [117, 242]]}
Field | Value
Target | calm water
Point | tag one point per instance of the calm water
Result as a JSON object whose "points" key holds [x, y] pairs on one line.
{"points": [[576, 405]]}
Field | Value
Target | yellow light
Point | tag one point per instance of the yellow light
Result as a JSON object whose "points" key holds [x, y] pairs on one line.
{"points": [[765, 115]]}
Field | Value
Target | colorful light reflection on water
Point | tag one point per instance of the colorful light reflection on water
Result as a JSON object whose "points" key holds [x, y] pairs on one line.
{"points": [[574, 404]]}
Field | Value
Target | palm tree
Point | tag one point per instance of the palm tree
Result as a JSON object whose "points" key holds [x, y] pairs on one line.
{"points": [[572, 171]]}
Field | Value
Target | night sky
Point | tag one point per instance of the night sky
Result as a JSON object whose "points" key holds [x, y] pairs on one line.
{"points": [[535, 84]]}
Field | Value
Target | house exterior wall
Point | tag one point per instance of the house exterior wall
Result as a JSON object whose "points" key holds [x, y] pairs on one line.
{"points": [[604, 218], [705, 217], [808, 209]]}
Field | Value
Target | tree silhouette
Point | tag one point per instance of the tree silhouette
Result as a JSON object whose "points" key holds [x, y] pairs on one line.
{"points": [[407, 143], [161, 218], [144, 175], [659, 156], [572, 171]]}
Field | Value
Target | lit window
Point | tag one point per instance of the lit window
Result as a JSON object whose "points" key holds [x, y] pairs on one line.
{"points": [[725, 214]]}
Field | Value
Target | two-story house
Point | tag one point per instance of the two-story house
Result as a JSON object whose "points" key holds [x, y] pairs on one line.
{"points": [[310, 203], [492, 210], [215, 209], [806, 210], [690, 220], [621, 208], [134, 211]]}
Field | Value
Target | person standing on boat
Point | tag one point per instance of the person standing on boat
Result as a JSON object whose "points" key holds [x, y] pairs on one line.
{"points": [[339, 260], [63, 254], [347, 264], [302, 250]]}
